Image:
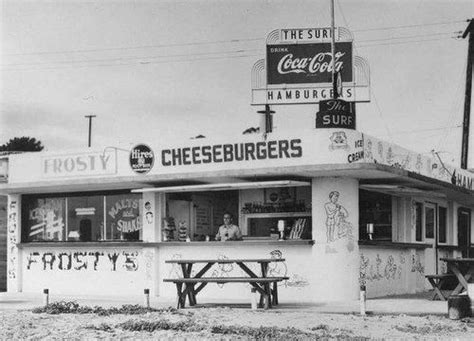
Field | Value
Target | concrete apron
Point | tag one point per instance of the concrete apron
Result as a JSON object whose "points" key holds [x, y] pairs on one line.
{"points": [[409, 304]]}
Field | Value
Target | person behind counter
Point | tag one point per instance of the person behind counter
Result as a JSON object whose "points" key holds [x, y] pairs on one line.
{"points": [[228, 231]]}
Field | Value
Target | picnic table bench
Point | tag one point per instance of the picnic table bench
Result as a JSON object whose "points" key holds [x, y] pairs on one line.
{"points": [[463, 269], [266, 286], [437, 282]]}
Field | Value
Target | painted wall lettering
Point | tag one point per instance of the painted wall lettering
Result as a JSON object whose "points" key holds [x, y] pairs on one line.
{"points": [[12, 238], [79, 164], [83, 261], [218, 153], [125, 215]]}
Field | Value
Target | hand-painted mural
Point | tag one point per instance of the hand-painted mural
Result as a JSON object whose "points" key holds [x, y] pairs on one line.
{"points": [[82, 261], [337, 226], [386, 272], [12, 239], [376, 269], [395, 156]]}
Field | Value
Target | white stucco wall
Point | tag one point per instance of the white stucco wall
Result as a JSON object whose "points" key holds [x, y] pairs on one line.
{"points": [[88, 270], [336, 253], [392, 271], [298, 266]]}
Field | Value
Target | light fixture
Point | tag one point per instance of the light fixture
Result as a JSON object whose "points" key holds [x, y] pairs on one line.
{"points": [[85, 211], [224, 186]]}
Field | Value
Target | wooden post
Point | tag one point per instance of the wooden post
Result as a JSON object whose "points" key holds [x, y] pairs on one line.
{"points": [[45, 297], [467, 97], [147, 297]]}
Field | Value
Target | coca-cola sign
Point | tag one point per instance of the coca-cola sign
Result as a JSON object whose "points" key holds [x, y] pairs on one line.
{"points": [[308, 63]]}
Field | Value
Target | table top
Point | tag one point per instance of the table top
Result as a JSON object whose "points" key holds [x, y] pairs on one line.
{"points": [[252, 260], [458, 260]]}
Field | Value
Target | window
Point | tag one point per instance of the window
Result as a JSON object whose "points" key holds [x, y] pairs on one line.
{"points": [[123, 219], [82, 217], [375, 208], [430, 221], [45, 218], [85, 218], [443, 216], [418, 221]]}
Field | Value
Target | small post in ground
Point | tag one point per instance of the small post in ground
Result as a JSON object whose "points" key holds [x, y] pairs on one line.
{"points": [[147, 297], [253, 298], [363, 297], [45, 297]]}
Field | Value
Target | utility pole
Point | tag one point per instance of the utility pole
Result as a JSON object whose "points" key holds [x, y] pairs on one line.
{"points": [[90, 127], [333, 53], [467, 96]]}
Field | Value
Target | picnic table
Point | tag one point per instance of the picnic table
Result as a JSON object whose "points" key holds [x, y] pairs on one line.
{"points": [[261, 282], [463, 269]]}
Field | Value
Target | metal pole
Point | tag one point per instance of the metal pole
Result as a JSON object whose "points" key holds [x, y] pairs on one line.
{"points": [[333, 52], [467, 97], [90, 127]]}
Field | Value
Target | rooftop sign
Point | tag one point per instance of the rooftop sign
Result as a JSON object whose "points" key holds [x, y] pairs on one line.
{"points": [[299, 64]]}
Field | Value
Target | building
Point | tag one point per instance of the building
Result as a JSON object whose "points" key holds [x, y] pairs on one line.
{"points": [[356, 210]]}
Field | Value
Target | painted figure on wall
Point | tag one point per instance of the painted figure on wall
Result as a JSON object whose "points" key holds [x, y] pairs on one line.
{"points": [[336, 224]]}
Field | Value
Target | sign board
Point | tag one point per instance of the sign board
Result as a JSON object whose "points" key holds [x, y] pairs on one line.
{"points": [[298, 68], [141, 159], [307, 94], [80, 164], [336, 113], [308, 63], [3, 169]]}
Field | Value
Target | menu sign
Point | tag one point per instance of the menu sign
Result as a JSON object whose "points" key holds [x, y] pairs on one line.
{"points": [[308, 63]]}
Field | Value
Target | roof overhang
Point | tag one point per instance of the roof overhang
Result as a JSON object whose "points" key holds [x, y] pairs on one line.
{"points": [[369, 174]]}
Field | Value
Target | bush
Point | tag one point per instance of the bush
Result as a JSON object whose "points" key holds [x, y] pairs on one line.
{"points": [[71, 307]]}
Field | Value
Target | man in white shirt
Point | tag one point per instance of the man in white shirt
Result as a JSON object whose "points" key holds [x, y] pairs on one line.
{"points": [[228, 231]]}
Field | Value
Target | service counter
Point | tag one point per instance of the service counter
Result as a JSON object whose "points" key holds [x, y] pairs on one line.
{"points": [[129, 267]]}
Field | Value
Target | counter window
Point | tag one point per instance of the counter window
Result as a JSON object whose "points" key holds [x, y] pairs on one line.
{"points": [[418, 221], [85, 218], [375, 216], [442, 224]]}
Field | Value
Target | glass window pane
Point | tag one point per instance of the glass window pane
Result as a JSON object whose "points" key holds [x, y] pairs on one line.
{"points": [[85, 218], [419, 221], [375, 208], [123, 217], [45, 220], [442, 224], [429, 222]]}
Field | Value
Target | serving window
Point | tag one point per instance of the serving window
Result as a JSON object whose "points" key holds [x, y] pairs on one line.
{"points": [[82, 217], [375, 216]]}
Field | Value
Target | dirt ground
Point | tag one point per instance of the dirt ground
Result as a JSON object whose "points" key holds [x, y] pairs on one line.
{"points": [[230, 323]]}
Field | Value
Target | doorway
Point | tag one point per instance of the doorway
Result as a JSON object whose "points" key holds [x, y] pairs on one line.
{"points": [[464, 231]]}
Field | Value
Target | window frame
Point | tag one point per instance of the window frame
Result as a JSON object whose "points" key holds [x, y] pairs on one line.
{"points": [[27, 199]]}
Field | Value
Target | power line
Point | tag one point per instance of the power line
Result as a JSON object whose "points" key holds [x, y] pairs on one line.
{"points": [[407, 37], [409, 26], [137, 63], [379, 111], [134, 47], [401, 42], [207, 42], [421, 130], [128, 58]]}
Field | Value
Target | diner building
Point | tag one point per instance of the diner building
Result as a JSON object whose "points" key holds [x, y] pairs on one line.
{"points": [[343, 209]]}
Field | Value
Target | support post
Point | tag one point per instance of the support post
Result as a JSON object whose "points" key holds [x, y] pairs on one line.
{"points": [[467, 97]]}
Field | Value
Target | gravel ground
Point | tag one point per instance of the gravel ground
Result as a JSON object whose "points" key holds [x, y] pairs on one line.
{"points": [[225, 323]]}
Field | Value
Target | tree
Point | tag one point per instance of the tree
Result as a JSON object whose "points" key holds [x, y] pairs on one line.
{"points": [[22, 144]]}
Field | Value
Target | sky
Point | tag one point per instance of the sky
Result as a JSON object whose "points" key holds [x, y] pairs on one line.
{"points": [[158, 71]]}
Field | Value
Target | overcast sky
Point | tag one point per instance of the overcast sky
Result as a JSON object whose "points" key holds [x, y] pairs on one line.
{"points": [[161, 70]]}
